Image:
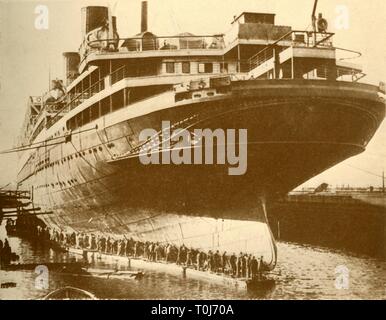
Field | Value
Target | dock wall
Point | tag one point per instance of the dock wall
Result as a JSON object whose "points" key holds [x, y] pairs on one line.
{"points": [[359, 228]]}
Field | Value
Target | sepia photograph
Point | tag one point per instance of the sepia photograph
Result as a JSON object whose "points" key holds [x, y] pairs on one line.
{"points": [[219, 150]]}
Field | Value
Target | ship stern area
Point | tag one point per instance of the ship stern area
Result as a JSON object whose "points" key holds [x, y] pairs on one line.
{"points": [[296, 129]]}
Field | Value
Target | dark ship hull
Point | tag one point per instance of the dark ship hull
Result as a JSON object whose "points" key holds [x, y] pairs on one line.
{"points": [[296, 130]]}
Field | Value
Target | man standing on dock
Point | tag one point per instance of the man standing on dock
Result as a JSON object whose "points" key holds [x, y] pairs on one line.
{"points": [[239, 264], [216, 260], [210, 260], [248, 266], [260, 267], [254, 267], [6, 253], [224, 262], [233, 261], [198, 259]]}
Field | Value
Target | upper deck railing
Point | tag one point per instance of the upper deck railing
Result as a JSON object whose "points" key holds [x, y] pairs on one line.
{"points": [[297, 39], [149, 42]]}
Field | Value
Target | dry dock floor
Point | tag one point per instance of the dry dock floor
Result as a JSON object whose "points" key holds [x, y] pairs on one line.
{"points": [[170, 268]]}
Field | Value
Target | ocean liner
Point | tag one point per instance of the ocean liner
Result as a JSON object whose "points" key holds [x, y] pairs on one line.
{"points": [[303, 108]]}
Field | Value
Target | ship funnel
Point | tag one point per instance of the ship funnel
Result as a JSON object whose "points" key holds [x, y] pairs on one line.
{"points": [[144, 17], [93, 17], [71, 65]]}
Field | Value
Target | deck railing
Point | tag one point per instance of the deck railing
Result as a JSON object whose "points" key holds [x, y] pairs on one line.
{"points": [[149, 42], [118, 75], [72, 101], [295, 39]]}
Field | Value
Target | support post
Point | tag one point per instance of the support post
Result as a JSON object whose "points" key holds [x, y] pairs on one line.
{"points": [[238, 58]]}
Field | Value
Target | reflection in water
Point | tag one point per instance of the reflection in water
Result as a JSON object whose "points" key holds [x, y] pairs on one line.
{"points": [[303, 272]]}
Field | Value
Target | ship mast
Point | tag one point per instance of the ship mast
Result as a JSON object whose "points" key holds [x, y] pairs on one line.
{"points": [[313, 17]]}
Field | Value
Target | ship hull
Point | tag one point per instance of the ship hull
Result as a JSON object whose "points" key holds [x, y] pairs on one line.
{"points": [[296, 130]]}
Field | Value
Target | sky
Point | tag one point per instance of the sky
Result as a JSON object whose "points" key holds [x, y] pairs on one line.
{"points": [[29, 57]]}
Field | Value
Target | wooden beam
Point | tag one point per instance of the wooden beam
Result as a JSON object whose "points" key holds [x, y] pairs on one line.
{"points": [[22, 210], [29, 214]]}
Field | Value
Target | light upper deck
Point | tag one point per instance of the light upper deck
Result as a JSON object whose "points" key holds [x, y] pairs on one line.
{"points": [[253, 48]]}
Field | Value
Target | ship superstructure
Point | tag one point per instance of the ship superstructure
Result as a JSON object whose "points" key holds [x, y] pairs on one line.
{"points": [[304, 110]]}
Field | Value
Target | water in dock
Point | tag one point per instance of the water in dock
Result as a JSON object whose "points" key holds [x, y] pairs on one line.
{"points": [[303, 272]]}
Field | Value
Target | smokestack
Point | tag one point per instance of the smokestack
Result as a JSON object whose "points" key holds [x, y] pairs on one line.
{"points": [[71, 64], [144, 17], [93, 17]]}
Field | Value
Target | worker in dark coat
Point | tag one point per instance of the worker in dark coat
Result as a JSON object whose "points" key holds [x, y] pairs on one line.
{"points": [[150, 251], [86, 241], [93, 243], [254, 267], [189, 256], [224, 262], [183, 254], [6, 253], [216, 260], [248, 267], [261, 267], [108, 245], [198, 260], [210, 261], [130, 247], [239, 264], [245, 265], [204, 261], [233, 263], [115, 247], [121, 247]]}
